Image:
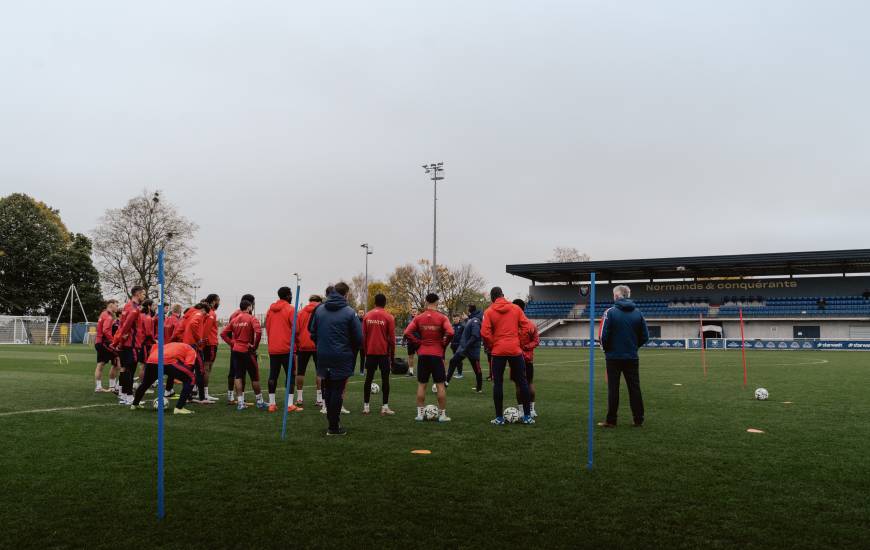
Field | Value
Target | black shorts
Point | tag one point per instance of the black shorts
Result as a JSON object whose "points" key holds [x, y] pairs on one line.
{"points": [[142, 353], [412, 349], [431, 365], [302, 361], [245, 363], [209, 354], [375, 362], [277, 363], [104, 354], [530, 373]]}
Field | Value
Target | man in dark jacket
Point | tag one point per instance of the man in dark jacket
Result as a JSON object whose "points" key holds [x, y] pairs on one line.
{"points": [[623, 331], [469, 347], [337, 332], [458, 327]]}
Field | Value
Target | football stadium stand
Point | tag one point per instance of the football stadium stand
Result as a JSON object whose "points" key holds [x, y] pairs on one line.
{"points": [[803, 295]]}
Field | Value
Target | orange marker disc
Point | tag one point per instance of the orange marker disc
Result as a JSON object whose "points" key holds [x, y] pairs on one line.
{"points": [[754, 431], [421, 452]]}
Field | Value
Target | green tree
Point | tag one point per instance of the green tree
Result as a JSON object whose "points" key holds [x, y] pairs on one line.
{"points": [[31, 238]]}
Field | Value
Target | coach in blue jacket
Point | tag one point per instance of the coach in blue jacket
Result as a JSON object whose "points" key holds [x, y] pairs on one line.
{"points": [[469, 347], [623, 331], [337, 332]]}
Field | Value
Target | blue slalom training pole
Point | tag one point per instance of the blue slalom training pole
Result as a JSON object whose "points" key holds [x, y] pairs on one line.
{"points": [[161, 511], [591, 370], [290, 363]]}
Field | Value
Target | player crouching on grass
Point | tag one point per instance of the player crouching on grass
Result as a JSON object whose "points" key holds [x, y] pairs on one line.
{"points": [[435, 334], [102, 341], [179, 362], [379, 350], [243, 334], [279, 330], [528, 342], [503, 323]]}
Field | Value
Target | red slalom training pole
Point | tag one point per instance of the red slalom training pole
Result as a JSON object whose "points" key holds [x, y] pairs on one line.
{"points": [[743, 346], [703, 345]]}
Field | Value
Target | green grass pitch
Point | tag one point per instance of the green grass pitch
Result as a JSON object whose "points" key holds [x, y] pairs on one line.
{"points": [[691, 478]]}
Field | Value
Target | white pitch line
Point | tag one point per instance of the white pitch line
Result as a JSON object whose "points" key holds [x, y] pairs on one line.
{"points": [[58, 409]]}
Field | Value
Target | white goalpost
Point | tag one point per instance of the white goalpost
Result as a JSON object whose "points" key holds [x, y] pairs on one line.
{"points": [[23, 329]]}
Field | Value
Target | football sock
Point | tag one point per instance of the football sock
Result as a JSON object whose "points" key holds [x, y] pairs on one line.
{"points": [[99, 384], [420, 411], [443, 412], [319, 396], [532, 405], [231, 395], [259, 398], [298, 395], [365, 407], [241, 398], [271, 398], [113, 382]]}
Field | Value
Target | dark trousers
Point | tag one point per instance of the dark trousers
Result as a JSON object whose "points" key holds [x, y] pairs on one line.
{"points": [[518, 375], [128, 368], [277, 363], [333, 388], [373, 363], [456, 366], [150, 376], [629, 368]]}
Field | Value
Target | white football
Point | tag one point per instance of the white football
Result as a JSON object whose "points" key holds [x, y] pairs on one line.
{"points": [[165, 403], [375, 388], [511, 415], [761, 394], [430, 412]]}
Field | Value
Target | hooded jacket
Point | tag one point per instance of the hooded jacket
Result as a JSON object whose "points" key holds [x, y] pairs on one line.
{"points": [[279, 327], [304, 342], [243, 333], [469, 344], [125, 337], [502, 325], [623, 330], [337, 332], [529, 341], [457, 335], [194, 322]]}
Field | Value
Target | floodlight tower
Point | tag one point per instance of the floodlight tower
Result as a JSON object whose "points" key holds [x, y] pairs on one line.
{"points": [[369, 252], [436, 171]]}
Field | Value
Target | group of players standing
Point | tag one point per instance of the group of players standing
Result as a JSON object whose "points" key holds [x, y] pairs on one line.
{"points": [[331, 338]]}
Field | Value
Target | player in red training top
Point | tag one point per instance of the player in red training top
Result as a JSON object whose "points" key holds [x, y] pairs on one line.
{"points": [[243, 334], [279, 330], [179, 362], [528, 342], [306, 350], [435, 332], [210, 335], [125, 342], [102, 342], [379, 350]]}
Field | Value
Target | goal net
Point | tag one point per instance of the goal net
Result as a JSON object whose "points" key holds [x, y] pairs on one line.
{"points": [[23, 329]]}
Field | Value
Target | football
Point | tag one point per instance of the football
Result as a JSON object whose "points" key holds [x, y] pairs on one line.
{"points": [[375, 388], [511, 415], [761, 394], [430, 412], [165, 403]]}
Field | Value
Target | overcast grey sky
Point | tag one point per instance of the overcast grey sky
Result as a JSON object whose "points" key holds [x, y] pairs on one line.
{"points": [[293, 132]]}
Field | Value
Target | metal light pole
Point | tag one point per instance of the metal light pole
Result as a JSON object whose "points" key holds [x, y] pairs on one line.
{"points": [[435, 169], [369, 252]]}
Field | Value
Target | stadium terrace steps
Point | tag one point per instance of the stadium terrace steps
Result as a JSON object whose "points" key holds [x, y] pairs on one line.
{"points": [[814, 306]]}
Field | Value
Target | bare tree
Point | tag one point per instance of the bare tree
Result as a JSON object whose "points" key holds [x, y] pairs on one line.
{"points": [[127, 242], [563, 254], [357, 292], [409, 284]]}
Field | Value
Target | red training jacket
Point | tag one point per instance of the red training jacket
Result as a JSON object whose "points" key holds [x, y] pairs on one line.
{"points": [[503, 323], [181, 356], [169, 326], [104, 328], [210, 329], [194, 320], [279, 327], [145, 332], [125, 337], [529, 341], [243, 332], [435, 333], [379, 333], [303, 337]]}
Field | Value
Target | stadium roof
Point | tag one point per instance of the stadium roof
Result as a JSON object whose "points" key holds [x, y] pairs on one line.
{"points": [[740, 265]]}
